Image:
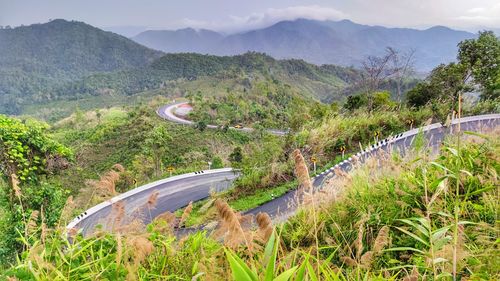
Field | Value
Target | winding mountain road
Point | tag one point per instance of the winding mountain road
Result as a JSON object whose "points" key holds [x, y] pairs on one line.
{"points": [[168, 111], [176, 192]]}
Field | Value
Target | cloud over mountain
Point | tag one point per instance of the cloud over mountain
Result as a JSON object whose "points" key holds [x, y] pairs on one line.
{"points": [[267, 18]]}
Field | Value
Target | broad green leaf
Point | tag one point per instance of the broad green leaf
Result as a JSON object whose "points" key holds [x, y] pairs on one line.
{"points": [[400, 249], [239, 269], [477, 135], [302, 269], [311, 273], [439, 234], [439, 260], [273, 245], [286, 275], [419, 227]]}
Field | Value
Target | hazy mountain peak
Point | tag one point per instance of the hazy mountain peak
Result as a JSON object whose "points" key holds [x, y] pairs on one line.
{"points": [[440, 28], [65, 50], [341, 42]]}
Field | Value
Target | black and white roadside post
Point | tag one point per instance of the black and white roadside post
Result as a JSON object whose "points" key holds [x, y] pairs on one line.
{"points": [[209, 164], [342, 149]]}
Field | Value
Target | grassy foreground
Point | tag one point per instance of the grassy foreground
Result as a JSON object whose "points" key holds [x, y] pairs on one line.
{"points": [[429, 218]]}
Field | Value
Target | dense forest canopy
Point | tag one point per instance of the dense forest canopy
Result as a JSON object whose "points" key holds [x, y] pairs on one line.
{"points": [[35, 60]]}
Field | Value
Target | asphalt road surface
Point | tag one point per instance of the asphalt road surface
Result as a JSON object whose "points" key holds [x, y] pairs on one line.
{"points": [[168, 195]]}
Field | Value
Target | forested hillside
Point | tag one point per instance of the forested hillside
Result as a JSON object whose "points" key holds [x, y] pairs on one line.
{"points": [[35, 60], [177, 73], [323, 83]]}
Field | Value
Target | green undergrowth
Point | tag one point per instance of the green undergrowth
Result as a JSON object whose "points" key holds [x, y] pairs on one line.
{"points": [[204, 211]]}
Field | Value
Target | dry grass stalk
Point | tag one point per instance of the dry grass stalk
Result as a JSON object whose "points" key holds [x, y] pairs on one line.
{"points": [[265, 226], [15, 186], [413, 275], [447, 252], [231, 229], [152, 200], [349, 261], [44, 232], [168, 217], [32, 225], [97, 191], [108, 182], [186, 213], [72, 232], [135, 226], [67, 211], [382, 240], [117, 215], [340, 173], [119, 250], [301, 171], [118, 167], [367, 259], [139, 248], [43, 227], [358, 244], [165, 222]]}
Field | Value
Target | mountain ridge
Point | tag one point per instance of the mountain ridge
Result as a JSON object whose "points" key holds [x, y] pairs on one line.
{"points": [[312, 41]]}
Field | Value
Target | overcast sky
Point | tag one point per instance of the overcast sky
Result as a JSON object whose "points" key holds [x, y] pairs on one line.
{"points": [[237, 15]]}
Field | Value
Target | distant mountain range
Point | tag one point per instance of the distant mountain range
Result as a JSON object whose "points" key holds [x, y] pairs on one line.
{"points": [[319, 42]]}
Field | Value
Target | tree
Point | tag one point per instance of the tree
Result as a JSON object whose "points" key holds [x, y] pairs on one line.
{"points": [[156, 146], [217, 163], [481, 58], [355, 102], [201, 125], [27, 152], [375, 70], [236, 156], [402, 67], [382, 99], [420, 95], [444, 84]]}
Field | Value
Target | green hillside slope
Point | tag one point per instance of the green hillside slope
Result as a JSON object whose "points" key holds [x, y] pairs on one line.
{"points": [[36, 59]]}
